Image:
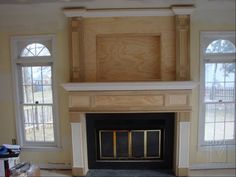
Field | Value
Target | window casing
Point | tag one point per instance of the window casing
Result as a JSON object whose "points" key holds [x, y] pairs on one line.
{"points": [[36, 115], [217, 101]]}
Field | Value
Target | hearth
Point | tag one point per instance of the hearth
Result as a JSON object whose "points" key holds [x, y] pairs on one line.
{"points": [[130, 140]]}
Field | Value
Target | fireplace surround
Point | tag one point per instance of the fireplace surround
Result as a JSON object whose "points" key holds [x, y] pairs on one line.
{"points": [[137, 64], [123, 98]]}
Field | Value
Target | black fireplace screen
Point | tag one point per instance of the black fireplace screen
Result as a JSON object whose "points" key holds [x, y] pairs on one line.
{"points": [[130, 140], [129, 144]]}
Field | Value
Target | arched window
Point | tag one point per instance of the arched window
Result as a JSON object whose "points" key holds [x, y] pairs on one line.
{"points": [[35, 97], [220, 46], [217, 88], [35, 50]]}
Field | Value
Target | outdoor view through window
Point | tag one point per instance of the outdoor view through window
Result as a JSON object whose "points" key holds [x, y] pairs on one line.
{"points": [[37, 96]]}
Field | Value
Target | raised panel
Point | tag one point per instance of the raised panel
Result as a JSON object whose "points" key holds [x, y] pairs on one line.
{"points": [[79, 101], [128, 101], [128, 57], [177, 100]]}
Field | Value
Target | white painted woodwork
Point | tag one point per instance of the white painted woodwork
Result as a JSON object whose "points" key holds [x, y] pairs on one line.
{"points": [[129, 86], [77, 145], [184, 134], [138, 12], [183, 10], [83, 12]]}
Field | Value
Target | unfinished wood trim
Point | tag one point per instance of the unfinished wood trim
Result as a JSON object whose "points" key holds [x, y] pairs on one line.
{"points": [[78, 171], [126, 101], [182, 172], [77, 50], [184, 116], [74, 117], [119, 12], [128, 57], [182, 47], [175, 100]]}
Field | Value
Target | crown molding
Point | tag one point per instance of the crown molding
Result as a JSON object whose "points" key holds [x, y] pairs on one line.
{"points": [[182, 10], [91, 13]]}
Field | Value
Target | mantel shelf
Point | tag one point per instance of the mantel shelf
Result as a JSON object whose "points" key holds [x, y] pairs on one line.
{"points": [[129, 86]]}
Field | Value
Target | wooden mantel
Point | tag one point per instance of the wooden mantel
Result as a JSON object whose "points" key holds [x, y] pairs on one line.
{"points": [[129, 86], [125, 97]]}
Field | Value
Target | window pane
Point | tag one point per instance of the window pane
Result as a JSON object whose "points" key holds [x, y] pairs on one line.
{"points": [[219, 82], [210, 113], [35, 49], [47, 94], [29, 132], [230, 112], [47, 75], [221, 46], [209, 131], [26, 75], [37, 84], [49, 132], [219, 131], [47, 114], [28, 94], [39, 132], [220, 112], [28, 114], [229, 130]]}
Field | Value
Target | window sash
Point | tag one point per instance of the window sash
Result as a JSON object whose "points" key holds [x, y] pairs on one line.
{"points": [[22, 104]]}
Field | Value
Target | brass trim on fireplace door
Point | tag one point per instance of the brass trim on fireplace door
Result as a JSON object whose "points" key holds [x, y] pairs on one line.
{"points": [[100, 144], [114, 144], [159, 152], [130, 155], [129, 144]]}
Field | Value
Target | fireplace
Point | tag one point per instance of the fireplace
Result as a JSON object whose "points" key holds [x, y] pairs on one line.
{"points": [[130, 140], [130, 89]]}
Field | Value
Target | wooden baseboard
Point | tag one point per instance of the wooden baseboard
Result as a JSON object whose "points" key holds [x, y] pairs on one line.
{"points": [[78, 171], [182, 172]]}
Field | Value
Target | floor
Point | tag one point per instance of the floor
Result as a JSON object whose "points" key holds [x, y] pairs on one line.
{"points": [[127, 173], [108, 173]]}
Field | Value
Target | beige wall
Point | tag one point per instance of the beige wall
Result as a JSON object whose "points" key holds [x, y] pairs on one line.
{"points": [[208, 16], [30, 20], [48, 19]]}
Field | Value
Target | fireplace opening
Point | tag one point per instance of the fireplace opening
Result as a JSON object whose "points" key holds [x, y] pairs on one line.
{"points": [[130, 140]]}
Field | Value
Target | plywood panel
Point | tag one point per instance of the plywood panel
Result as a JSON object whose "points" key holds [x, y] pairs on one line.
{"points": [[127, 101], [177, 100], [163, 26], [79, 101], [128, 57]]}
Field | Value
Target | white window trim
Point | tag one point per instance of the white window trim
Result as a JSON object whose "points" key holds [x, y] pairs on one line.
{"points": [[39, 61], [206, 37]]}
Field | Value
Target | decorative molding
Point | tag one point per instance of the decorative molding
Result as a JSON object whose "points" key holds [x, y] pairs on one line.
{"points": [[132, 12], [183, 10], [77, 49], [129, 86], [83, 12], [182, 23]]}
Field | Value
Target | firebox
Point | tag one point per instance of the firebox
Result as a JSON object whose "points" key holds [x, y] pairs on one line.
{"points": [[130, 140]]}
